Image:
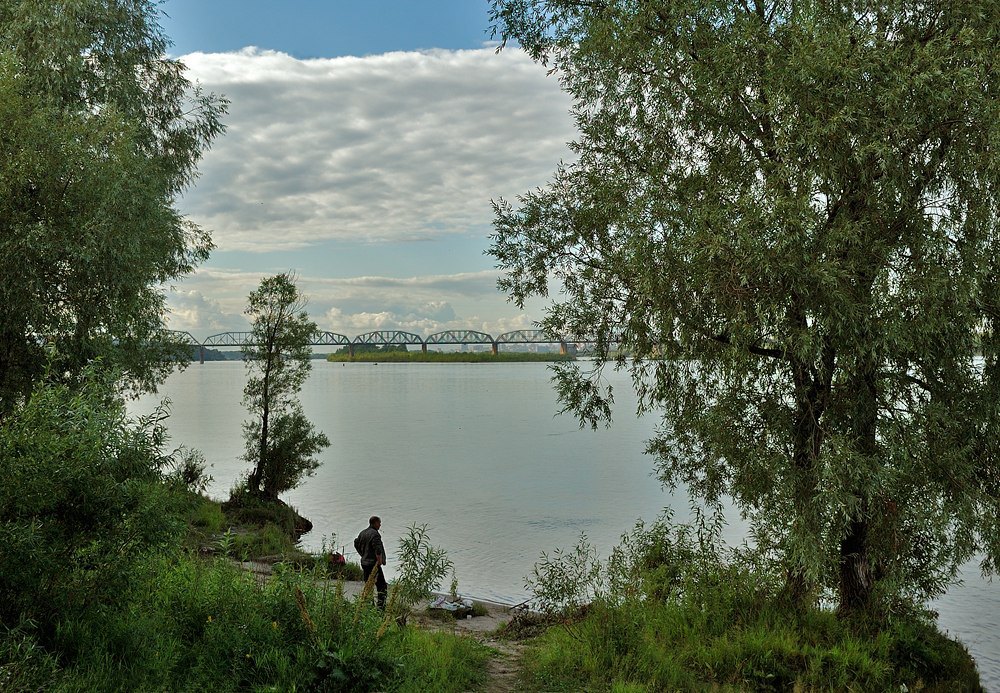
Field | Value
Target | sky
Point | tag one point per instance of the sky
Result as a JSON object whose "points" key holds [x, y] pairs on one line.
{"points": [[365, 142]]}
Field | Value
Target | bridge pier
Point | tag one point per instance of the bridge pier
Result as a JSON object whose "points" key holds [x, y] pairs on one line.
{"points": [[494, 348], [201, 354], [350, 350], [423, 348]]}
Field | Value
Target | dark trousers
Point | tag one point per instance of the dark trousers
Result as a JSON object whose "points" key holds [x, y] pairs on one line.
{"points": [[381, 586]]}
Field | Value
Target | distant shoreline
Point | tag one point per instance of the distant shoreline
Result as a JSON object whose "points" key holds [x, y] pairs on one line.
{"points": [[448, 357]]}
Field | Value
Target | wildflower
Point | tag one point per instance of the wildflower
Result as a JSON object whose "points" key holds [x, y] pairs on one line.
{"points": [[209, 618], [274, 625]]}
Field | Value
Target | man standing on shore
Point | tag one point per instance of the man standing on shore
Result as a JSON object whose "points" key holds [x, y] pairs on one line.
{"points": [[369, 546]]}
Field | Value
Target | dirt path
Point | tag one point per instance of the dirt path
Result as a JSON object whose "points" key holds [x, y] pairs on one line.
{"points": [[503, 669]]}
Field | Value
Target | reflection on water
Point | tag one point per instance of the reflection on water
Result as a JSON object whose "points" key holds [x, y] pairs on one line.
{"points": [[477, 453]]}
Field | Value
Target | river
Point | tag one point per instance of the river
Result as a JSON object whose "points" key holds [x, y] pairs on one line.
{"points": [[479, 454]]}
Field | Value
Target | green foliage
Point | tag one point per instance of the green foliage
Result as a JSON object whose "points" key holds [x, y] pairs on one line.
{"points": [[101, 131], [734, 645], [185, 624], [440, 662], [206, 515], [717, 622], [421, 568], [367, 349], [783, 220], [567, 580], [245, 509], [24, 664], [83, 499], [292, 446], [189, 470], [269, 540], [659, 562], [281, 443]]}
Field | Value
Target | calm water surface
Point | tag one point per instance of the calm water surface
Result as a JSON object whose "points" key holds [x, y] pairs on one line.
{"points": [[478, 453]]}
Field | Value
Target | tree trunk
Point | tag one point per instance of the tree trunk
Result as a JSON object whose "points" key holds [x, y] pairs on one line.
{"points": [[857, 562], [856, 581], [812, 391], [255, 478]]}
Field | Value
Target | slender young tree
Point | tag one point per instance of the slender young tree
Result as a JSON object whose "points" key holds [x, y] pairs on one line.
{"points": [[280, 441], [100, 132], [785, 213]]}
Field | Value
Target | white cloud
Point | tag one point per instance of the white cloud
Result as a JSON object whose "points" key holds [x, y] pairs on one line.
{"points": [[191, 311], [352, 306], [387, 147]]}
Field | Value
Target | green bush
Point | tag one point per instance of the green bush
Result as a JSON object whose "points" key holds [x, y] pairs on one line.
{"points": [[82, 500], [206, 515], [189, 624], [24, 664], [670, 611]]}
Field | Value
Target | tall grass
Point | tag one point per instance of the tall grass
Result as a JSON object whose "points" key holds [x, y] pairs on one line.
{"points": [[689, 619], [696, 645], [189, 624]]}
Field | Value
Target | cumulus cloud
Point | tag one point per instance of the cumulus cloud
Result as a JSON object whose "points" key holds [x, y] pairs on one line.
{"points": [[398, 146], [355, 305], [192, 311]]}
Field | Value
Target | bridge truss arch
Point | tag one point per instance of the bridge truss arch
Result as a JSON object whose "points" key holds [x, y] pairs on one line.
{"points": [[385, 337], [532, 337], [527, 337], [462, 337], [184, 337], [324, 338], [230, 339]]}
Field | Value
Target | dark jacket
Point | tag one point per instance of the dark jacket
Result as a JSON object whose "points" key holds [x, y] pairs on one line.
{"points": [[369, 545]]}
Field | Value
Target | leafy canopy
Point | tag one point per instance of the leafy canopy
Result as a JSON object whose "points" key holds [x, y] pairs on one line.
{"points": [[84, 500], [280, 442], [100, 133], [784, 214]]}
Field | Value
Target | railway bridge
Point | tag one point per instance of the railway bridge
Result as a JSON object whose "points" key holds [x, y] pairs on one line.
{"points": [[386, 338]]}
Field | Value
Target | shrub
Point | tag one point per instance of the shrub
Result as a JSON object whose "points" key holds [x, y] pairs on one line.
{"points": [[422, 567], [687, 616], [82, 500]]}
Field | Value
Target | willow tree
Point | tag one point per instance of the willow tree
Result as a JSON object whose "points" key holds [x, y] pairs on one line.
{"points": [[280, 441], [785, 213], [100, 133]]}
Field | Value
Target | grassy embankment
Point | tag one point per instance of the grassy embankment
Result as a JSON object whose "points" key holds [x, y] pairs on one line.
{"points": [[738, 643], [669, 619], [191, 622], [448, 357], [704, 625], [106, 587]]}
